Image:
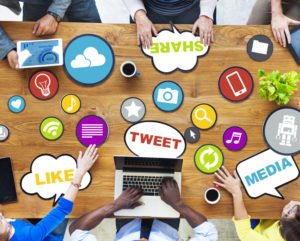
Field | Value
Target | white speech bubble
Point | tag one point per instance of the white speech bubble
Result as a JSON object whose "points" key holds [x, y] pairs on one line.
{"points": [[172, 50], [154, 139], [50, 177], [265, 172]]}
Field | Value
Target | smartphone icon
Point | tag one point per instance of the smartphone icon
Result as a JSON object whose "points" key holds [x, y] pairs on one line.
{"points": [[236, 84]]}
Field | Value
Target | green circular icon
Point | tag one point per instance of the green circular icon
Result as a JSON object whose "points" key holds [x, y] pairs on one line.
{"points": [[51, 128], [208, 159]]}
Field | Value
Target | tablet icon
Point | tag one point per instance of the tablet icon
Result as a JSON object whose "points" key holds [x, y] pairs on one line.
{"points": [[260, 47], [51, 128], [71, 104], [16, 104], [235, 138], [204, 116], [208, 159], [236, 84], [43, 85]]}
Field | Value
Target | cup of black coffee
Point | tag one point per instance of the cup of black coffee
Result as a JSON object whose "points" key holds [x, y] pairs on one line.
{"points": [[212, 196], [128, 69]]}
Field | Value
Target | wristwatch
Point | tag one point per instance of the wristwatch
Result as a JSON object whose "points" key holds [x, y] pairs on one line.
{"points": [[56, 16]]}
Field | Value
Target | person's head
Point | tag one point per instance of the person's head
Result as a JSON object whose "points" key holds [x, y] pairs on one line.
{"points": [[290, 222], [5, 229]]}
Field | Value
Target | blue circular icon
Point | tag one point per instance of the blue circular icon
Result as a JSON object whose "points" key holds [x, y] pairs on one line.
{"points": [[16, 104], [168, 96], [89, 59]]}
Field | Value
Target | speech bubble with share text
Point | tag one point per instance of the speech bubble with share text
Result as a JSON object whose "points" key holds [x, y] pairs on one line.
{"points": [[263, 173], [50, 177], [172, 50]]}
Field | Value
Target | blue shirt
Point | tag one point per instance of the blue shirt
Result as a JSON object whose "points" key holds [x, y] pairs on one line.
{"points": [[42, 231]]}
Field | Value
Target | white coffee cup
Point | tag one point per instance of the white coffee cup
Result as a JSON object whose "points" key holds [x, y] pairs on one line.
{"points": [[128, 69], [212, 196]]}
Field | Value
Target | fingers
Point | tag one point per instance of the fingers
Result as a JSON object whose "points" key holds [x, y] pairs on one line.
{"points": [[35, 27], [201, 35], [293, 22], [212, 37], [154, 31], [80, 155], [219, 184], [136, 204], [219, 177], [279, 37], [283, 38], [226, 171], [236, 176], [288, 35], [275, 35], [194, 29]]}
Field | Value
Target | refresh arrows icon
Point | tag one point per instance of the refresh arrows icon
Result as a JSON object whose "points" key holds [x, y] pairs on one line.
{"points": [[208, 158]]}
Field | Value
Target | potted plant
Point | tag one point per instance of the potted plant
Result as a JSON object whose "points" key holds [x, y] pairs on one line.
{"points": [[276, 86]]}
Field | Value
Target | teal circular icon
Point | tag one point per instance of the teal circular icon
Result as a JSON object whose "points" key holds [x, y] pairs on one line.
{"points": [[168, 96], [16, 104], [208, 159], [89, 59], [51, 128]]}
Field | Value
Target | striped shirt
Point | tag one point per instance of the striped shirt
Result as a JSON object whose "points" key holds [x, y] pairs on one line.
{"points": [[171, 7]]}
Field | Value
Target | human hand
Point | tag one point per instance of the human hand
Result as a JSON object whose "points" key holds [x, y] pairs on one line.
{"points": [[12, 58], [129, 198], [231, 183], [205, 26], [47, 25], [280, 27], [145, 28], [86, 161], [169, 192]]}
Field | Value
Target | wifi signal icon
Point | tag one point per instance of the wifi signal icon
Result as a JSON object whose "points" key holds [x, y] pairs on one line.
{"points": [[51, 128]]}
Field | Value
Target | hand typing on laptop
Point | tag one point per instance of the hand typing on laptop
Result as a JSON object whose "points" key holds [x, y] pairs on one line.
{"points": [[145, 229]]}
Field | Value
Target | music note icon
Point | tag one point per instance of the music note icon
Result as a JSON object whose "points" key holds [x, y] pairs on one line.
{"points": [[71, 104], [235, 138]]}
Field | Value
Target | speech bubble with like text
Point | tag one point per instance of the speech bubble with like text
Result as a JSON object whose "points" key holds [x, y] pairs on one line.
{"points": [[50, 177], [172, 50], [265, 172]]}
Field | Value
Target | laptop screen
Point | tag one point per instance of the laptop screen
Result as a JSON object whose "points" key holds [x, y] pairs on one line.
{"points": [[148, 164]]}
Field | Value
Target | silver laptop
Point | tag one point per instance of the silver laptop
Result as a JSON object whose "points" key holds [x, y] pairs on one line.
{"points": [[147, 173]]}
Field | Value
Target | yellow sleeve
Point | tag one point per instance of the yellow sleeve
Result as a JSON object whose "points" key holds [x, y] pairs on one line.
{"points": [[246, 233]]}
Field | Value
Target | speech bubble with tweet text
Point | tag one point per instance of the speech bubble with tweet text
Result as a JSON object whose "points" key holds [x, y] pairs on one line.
{"points": [[50, 177], [263, 173], [174, 50]]}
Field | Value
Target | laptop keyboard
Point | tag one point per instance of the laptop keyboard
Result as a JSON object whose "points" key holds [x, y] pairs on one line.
{"points": [[149, 184]]}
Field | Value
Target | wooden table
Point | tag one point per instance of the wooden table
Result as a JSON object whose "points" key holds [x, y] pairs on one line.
{"points": [[200, 85]]}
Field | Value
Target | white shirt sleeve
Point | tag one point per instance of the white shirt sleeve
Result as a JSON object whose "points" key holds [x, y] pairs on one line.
{"points": [[133, 6], [205, 232], [207, 8], [82, 235]]}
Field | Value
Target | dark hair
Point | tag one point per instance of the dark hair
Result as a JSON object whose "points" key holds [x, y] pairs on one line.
{"points": [[290, 227]]}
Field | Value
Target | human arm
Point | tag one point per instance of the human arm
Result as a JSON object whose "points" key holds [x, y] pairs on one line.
{"points": [[127, 200], [48, 25], [204, 231], [204, 23], [7, 50], [280, 24], [145, 27], [241, 219], [65, 204]]}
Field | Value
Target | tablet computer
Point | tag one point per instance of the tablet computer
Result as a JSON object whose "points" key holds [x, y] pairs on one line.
{"points": [[40, 53], [294, 47], [7, 184]]}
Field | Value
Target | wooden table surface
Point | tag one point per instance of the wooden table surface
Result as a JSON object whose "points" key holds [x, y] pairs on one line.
{"points": [[200, 85]]}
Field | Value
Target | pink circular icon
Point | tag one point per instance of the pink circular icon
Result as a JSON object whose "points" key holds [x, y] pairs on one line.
{"points": [[235, 138]]}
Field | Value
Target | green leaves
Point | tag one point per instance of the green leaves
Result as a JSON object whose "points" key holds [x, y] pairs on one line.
{"points": [[277, 87]]}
